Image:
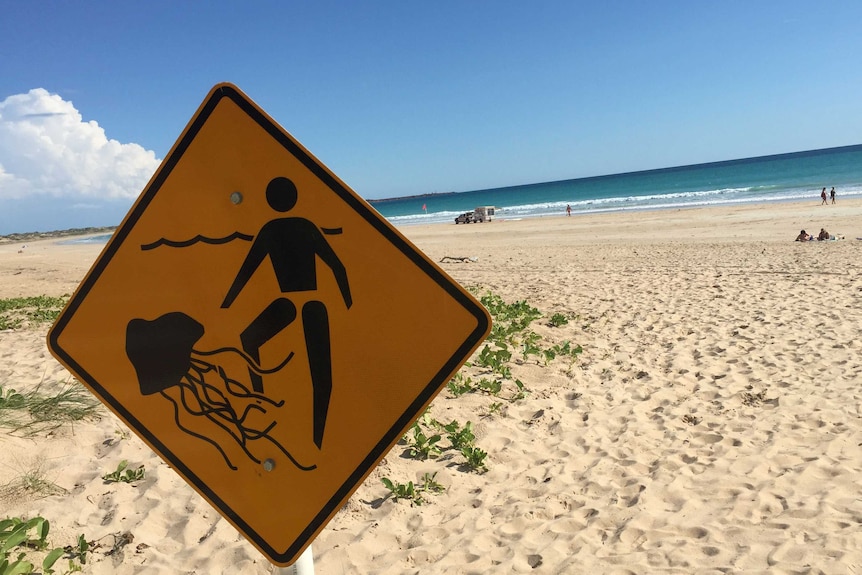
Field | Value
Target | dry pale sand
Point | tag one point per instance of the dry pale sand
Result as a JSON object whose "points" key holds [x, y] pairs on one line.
{"points": [[712, 424]]}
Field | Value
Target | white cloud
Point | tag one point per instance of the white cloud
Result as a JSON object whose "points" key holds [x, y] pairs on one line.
{"points": [[47, 149]]}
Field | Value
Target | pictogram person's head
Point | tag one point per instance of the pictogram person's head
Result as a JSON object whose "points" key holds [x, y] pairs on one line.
{"points": [[281, 194]]}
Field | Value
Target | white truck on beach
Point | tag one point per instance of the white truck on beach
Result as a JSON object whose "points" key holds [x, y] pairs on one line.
{"points": [[480, 214], [483, 214]]}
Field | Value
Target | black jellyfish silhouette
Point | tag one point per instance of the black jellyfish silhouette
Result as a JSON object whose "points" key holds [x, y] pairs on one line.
{"points": [[163, 355]]}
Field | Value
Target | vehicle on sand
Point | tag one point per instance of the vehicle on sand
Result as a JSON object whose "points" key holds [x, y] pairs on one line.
{"points": [[480, 214], [465, 218]]}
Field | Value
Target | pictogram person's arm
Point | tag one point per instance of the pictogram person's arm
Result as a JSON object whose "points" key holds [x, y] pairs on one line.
{"points": [[255, 256], [329, 257]]}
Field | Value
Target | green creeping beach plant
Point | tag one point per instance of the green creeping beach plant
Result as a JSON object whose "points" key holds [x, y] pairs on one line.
{"points": [[509, 334], [565, 349], [422, 446], [124, 474], [509, 319], [510, 327], [530, 346], [521, 392], [413, 493], [459, 436], [403, 491], [430, 484], [16, 531], [461, 439], [495, 360], [557, 320], [490, 386], [78, 551], [460, 384], [495, 408], [475, 458], [11, 399], [27, 534], [40, 309]]}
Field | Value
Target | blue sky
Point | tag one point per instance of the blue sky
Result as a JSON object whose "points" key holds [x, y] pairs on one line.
{"points": [[401, 98]]}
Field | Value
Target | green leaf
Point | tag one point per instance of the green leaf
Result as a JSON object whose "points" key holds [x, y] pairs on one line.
{"points": [[52, 558], [6, 525], [19, 567], [83, 547], [42, 528], [15, 538]]}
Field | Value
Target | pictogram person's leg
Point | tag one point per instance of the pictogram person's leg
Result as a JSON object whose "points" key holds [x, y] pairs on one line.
{"points": [[277, 316], [315, 321]]}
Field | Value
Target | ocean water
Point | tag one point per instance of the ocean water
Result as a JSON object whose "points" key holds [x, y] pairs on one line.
{"points": [[98, 239], [779, 178]]}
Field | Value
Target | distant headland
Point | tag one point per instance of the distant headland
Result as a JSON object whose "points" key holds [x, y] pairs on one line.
{"points": [[416, 197], [32, 236]]}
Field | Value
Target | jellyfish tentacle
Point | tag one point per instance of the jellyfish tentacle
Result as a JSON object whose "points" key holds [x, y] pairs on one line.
{"points": [[251, 362], [245, 393], [224, 413], [208, 402], [211, 389], [192, 433], [288, 455], [265, 435], [241, 441], [202, 368], [246, 411], [257, 434], [242, 434]]}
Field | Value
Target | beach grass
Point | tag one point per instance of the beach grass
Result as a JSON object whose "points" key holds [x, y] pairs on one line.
{"points": [[36, 412], [30, 481]]}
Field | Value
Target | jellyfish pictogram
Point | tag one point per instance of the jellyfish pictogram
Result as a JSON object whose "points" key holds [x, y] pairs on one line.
{"points": [[164, 357]]}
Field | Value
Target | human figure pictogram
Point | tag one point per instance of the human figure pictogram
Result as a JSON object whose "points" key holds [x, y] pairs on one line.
{"points": [[292, 244]]}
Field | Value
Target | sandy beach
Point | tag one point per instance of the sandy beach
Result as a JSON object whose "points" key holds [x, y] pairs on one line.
{"points": [[711, 424]]}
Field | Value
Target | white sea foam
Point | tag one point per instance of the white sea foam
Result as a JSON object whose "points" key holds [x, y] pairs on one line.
{"points": [[671, 200]]}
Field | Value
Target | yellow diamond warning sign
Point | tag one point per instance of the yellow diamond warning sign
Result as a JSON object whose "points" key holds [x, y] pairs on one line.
{"points": [[262, 328]]}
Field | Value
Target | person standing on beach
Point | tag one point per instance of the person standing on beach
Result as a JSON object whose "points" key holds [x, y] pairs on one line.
{"points": [[823, 197], [832, 194], [568, 209]]}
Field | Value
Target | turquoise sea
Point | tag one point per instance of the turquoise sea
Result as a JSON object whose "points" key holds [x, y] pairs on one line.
{"points": [[779, 178]]}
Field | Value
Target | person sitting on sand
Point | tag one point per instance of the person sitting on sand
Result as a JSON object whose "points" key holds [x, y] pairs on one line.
{"points": [[823, 235], [803, 236]]}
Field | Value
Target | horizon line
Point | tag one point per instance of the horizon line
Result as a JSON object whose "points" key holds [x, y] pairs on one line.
{"points": [[631, 173]]}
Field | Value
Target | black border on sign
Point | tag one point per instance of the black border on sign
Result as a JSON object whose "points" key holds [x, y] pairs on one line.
{"points": [[375, 220]]}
